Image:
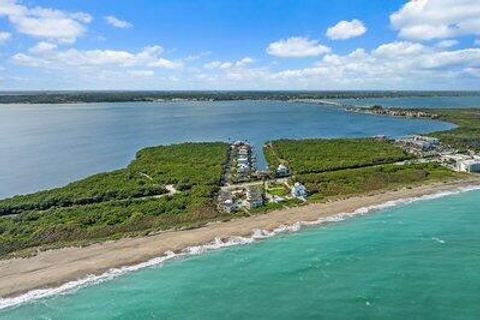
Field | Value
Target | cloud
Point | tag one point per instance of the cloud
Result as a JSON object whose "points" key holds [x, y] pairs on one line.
{"points": [[394, 65], [42, 47], [4, 36], [346, 30], [141, 73], [117, 23], [296, 47], [399, 49], [476, 42], [398, 64], [195, 57], [437, 19], [228, 65], [46, 55], [46, 23], [447, 43], [244, 61]]}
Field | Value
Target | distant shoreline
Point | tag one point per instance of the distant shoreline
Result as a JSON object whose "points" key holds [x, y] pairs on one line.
{"points": [[54, 268], [76, 97]]}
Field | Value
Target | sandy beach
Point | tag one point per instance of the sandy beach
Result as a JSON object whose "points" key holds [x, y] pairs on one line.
{"points": [[56, 267]]}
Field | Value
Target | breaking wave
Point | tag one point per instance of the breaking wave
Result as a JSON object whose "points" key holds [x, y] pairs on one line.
{"points": [[217, 243]]}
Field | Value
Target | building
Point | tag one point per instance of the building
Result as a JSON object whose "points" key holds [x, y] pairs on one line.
{"points": [[225, 202], [420, 143], [470, 165], [278, 199], [243, 161], [254, 198], [299, 191], [282, 170], [380, 137], [242, 169], [243, 151], [462, 162]]}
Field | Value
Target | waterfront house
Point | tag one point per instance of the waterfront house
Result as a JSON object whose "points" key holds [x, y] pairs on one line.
{"points": [[470, 165], [226, 202], [243, 160], [254, 197], [282, 170], [462, 162], [420, 143], [243, 151], [299, 191]]}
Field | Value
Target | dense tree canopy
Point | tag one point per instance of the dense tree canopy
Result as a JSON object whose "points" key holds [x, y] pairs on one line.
{"points": [[121, 202]]}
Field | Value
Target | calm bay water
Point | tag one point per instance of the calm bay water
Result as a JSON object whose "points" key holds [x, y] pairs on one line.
{"points": [[418, 261], [418, 102], [43, 146]]}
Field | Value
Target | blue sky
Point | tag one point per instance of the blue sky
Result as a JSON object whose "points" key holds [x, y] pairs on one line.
{"points": [[244, 44]]}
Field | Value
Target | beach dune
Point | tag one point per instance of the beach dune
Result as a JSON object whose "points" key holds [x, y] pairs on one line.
{"points": [[56, 267]]}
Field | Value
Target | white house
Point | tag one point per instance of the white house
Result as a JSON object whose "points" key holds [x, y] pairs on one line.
{"points": [[470, 165], [226, 202], [282, 170], [298, 190], [462, 162], [420, 142], [243, 159], [243, 151]]}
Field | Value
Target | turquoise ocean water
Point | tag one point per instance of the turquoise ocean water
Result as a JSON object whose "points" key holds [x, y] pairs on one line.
{"points": [[416, 261]]}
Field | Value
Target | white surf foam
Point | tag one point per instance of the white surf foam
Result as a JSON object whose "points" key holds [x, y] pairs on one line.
{"points": [[216, 244]]}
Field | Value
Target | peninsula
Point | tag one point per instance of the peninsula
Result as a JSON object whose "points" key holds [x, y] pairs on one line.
{"points": [[176, 196]]}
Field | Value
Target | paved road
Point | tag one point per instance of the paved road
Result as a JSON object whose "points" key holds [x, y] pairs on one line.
{"points": [[253, 183]]}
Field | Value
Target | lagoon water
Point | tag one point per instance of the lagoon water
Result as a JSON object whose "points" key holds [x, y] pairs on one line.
{"points": [[418, 102], [418, 261], [43, 146]]}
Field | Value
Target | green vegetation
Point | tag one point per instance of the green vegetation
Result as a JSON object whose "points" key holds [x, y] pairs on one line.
{"points": [[125, 96], [278, 189], [120, 204], [135, 200], [115, 185], [330, 168], [320, 155], [273, 160], [467, 134], [280, 192], [363, 180]]}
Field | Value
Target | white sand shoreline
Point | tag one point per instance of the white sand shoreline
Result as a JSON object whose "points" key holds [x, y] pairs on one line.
{"points": [[58, 271]]}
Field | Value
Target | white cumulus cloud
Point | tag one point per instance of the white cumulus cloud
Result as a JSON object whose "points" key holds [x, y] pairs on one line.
{"points": [[42, 47], [141, 73], [46, 55], [4, 36], [447, 43], [296, 47], [45, 22], [346, 29], [437, 19], [399, 64], [228, 65], [118, 23]]}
